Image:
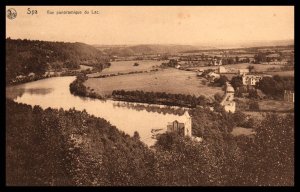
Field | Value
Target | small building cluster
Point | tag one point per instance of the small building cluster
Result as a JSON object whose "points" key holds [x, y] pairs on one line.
{"points": [[216, 61], [183, 129], [178, 66], [222, 69], [200, 72], [211, 76], [289, 96], [177, 127], [251, 79], [228, 100]]}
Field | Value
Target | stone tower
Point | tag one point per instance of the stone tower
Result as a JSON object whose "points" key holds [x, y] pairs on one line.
{"points": [[188, 124]]}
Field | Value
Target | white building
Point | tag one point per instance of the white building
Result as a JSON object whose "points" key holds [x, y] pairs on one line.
{"points": [[229, 106], [188, 125], [184, 129], [31, 74], [199, 73], [251, 79], [178, 66], [243, 71], [212, 76], [227, 102], [289, 96], [222, 69]]}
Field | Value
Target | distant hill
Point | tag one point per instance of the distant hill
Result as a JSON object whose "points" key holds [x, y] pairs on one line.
{"points": [[132, 50], [26, 56], [221, 45], [268, 43]]}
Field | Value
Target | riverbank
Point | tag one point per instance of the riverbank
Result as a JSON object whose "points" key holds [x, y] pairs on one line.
{"points": [[83, 69], [77, 87], [128, 117], [162, 98], [26, 79]]}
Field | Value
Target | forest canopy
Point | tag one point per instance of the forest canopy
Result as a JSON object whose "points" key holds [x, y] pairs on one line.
{"points": [[34, 56]]}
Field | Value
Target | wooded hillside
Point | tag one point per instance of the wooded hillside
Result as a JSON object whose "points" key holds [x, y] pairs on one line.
{"points": [[26, 56]]}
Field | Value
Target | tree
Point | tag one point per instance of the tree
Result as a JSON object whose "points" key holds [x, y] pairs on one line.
{"points": [[275, 151], [237, 59], [247, 60], [253, 93], [236, 82], [253, 105], [136, 135], [180, 162], [239, 118], [221, 81], [251, 68], [172, 63], [268, 86], [164, 57], [218, 97], [260, 57], [230, 60]]}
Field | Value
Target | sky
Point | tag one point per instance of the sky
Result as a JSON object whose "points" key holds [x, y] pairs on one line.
{"points": [[153, 24]]}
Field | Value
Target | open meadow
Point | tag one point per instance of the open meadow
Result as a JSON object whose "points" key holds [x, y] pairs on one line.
{"points": [[266, 105], [282, 73], [167, 80], [128, 66]]}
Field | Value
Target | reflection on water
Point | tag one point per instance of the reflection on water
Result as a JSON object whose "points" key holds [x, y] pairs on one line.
{"points": [[18, 92], [39, 91], [152, 108], [54, 92]]}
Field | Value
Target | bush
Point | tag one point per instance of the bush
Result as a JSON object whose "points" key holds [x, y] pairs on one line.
{"points": [[220, 81], [218, 97], [275, 86], [236, 82]]}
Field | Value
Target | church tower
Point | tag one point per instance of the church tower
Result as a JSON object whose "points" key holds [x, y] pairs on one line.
{"points": [[188, 124]]}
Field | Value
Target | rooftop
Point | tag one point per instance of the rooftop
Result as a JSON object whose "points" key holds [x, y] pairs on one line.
{"points": [[229, 89]]}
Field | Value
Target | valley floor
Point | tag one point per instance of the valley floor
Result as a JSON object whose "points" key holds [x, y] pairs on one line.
{"points": [[168, 80]]}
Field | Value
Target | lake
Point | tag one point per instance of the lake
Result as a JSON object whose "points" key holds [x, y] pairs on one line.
{"points": [[54, 92]]}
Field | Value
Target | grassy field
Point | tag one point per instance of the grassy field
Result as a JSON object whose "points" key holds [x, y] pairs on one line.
{"points": [[275, 105], [282, 73], [259, 116], [127, 66], [268, 104], [167, 80]]}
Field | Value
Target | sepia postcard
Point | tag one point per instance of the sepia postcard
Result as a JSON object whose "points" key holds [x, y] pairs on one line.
{"points": [[149, 96]]}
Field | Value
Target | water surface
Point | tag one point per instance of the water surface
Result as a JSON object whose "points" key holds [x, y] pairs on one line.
{"points": [[54, 92]]}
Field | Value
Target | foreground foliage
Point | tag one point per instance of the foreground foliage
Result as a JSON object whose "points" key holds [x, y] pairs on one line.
{"points": [[57, 147]]}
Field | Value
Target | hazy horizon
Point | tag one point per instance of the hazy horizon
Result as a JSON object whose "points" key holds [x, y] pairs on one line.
{"points": [[131, 25]]}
